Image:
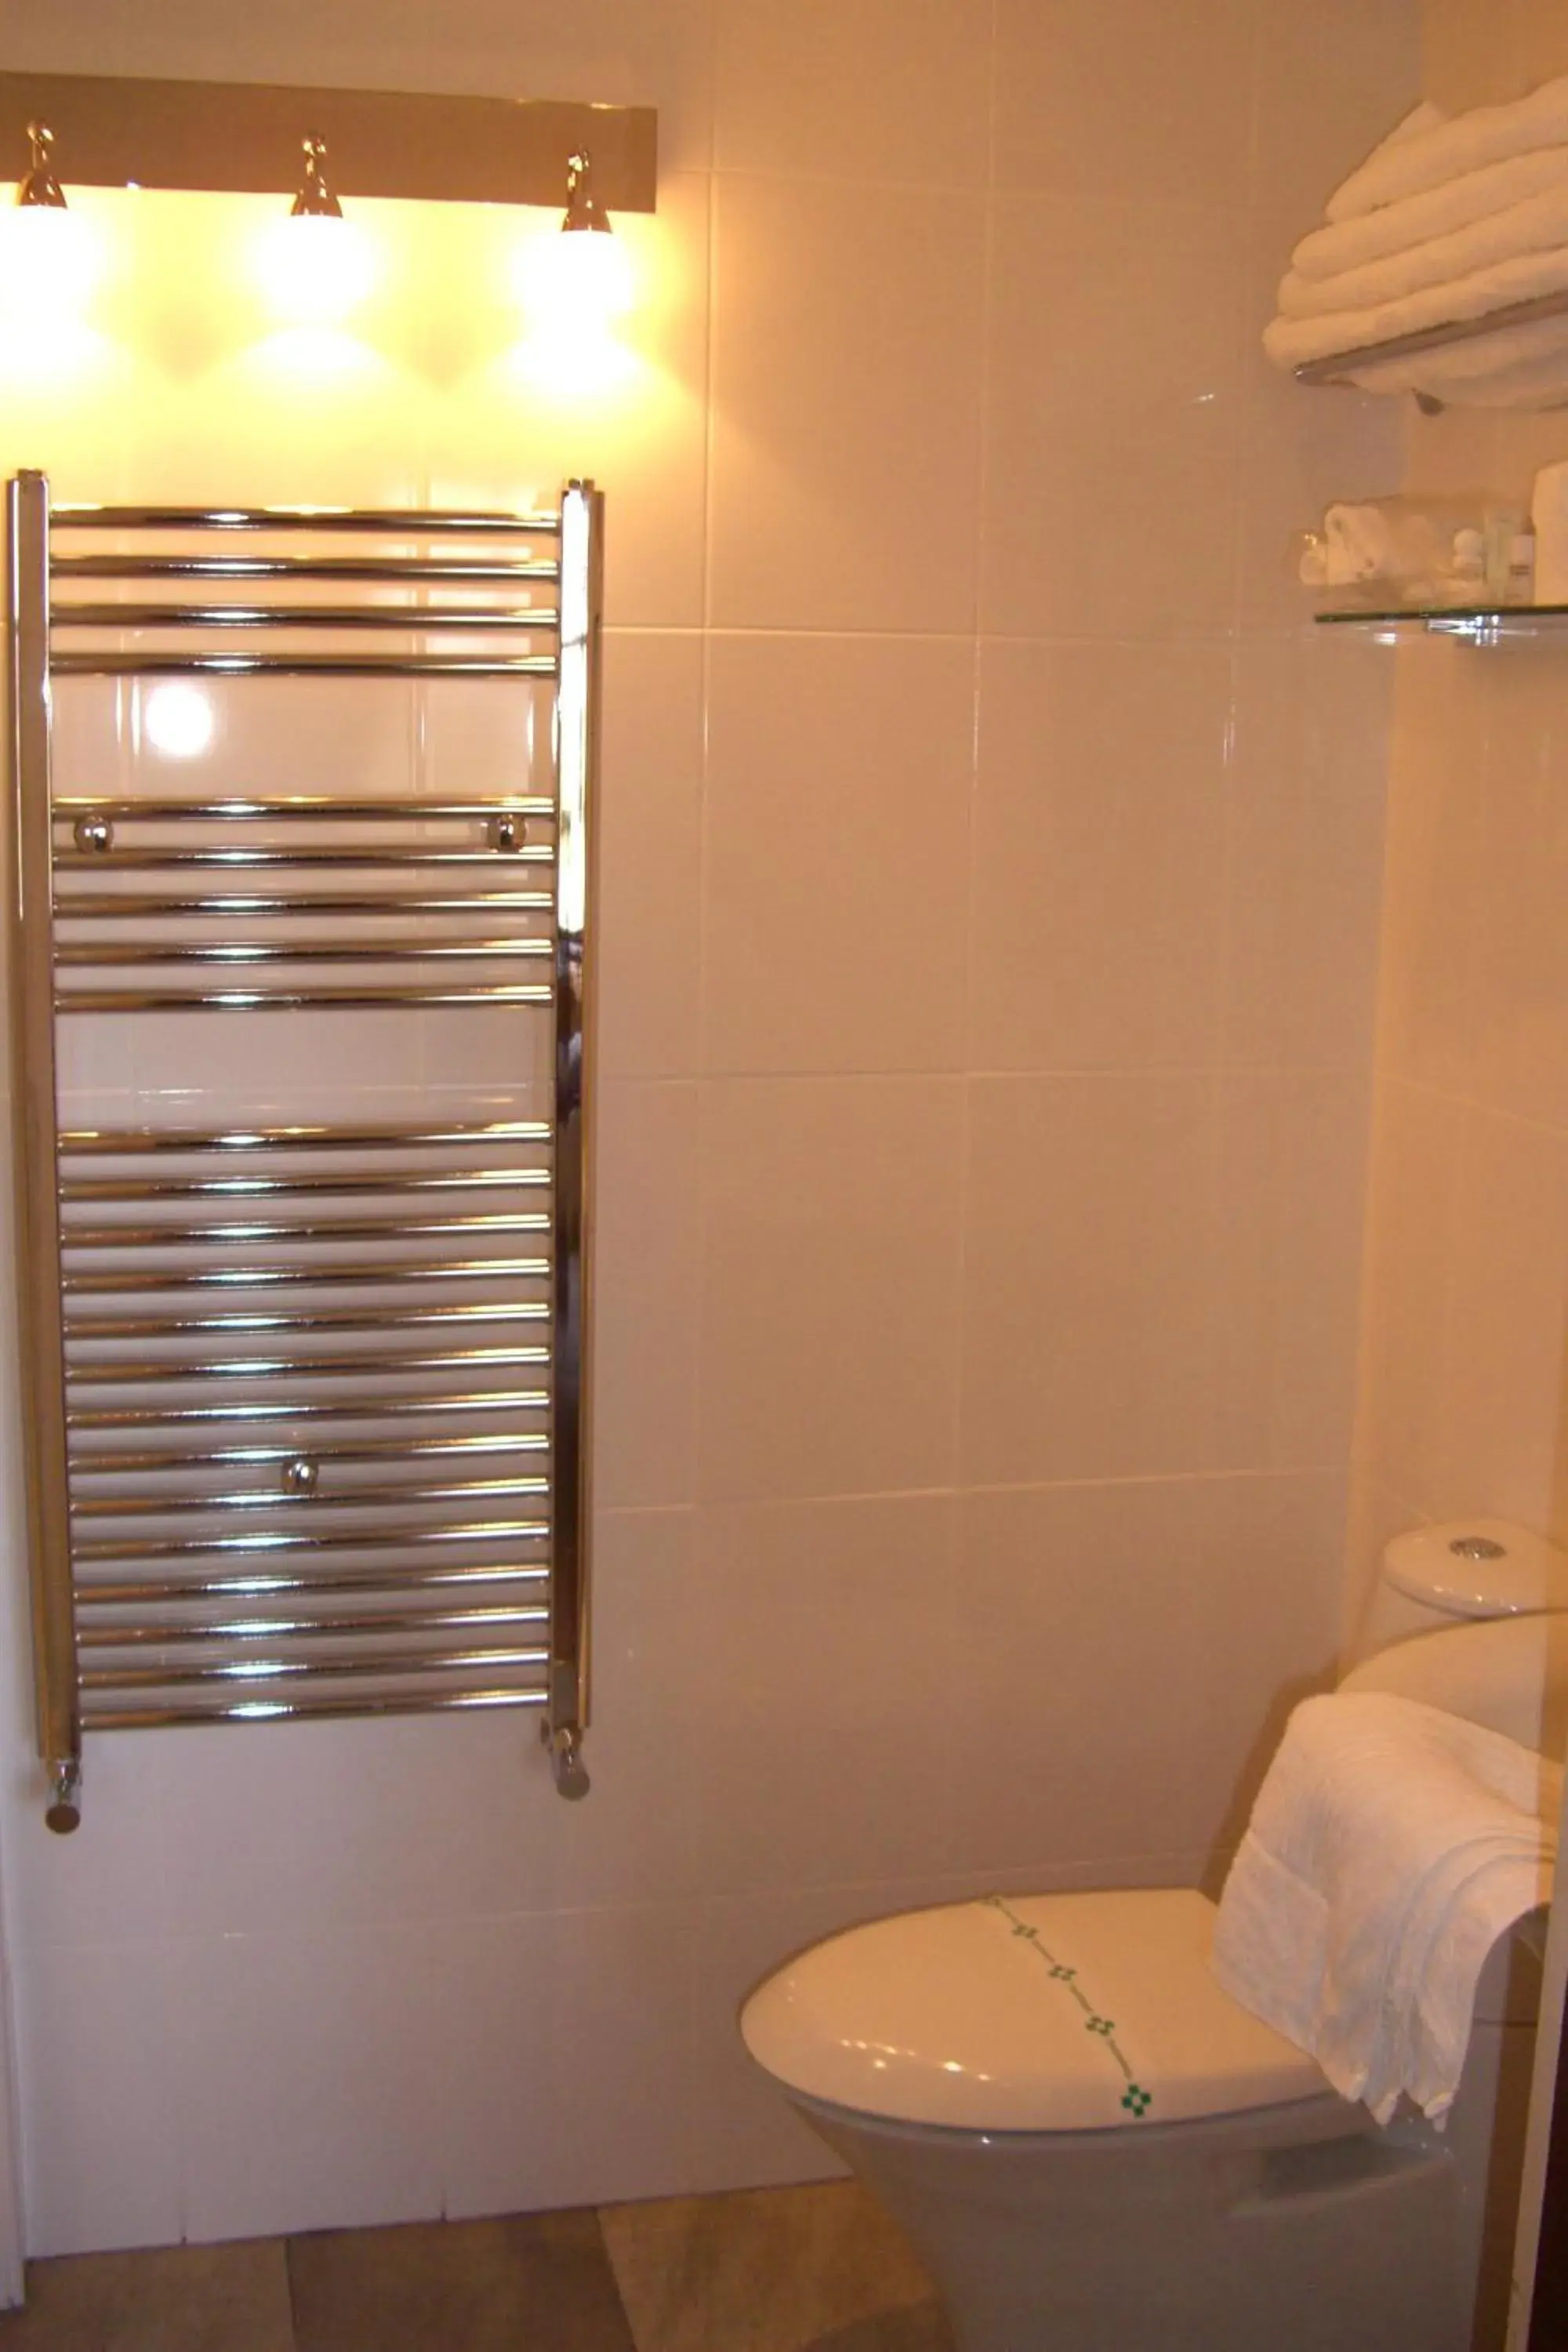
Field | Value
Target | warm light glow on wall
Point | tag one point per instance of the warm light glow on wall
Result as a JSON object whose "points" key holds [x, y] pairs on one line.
{"points": [[575, 282], [573, 289], [49, 262], [313, 270]]}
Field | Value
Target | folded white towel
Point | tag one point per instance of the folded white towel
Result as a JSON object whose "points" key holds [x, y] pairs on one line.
{"points": [[1437, 211], [1423, 157], [1289, 341], [1390, 1846], [1536, 225]]}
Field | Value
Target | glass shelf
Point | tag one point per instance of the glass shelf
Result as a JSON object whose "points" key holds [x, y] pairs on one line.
{"points": [[1478, 624]]}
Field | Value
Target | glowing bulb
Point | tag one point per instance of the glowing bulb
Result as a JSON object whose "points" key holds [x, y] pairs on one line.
{"points": [[177, 720], [49, 262], [314, 270], [574, 280]]}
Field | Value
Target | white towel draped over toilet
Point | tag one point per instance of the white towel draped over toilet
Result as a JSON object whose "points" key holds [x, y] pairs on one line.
{"points": [[1445, 224], [1391, 1845]]}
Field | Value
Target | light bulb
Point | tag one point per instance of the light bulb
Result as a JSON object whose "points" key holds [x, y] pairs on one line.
{"points": [[574, 280], [314, 269], [48, 263]]}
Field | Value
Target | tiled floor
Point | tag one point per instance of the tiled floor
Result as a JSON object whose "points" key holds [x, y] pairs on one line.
{"points": [[777, 2270]]}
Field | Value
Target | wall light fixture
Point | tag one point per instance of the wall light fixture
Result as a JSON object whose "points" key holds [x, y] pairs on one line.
{"points": [[47, 258], [40, 186]]}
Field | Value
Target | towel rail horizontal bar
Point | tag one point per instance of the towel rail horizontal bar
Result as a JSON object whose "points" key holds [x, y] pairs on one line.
{"points": [[259, 1543], [393, 571], [74, 1239], [493, 1658], [334, 1276], [386, 1364], [302, 806], [230, 665], [320, 1000], [220, 860], [122, 955], [312, 1708], [83, 906], [111, 1463], [80, 1142], [409, 619], [189, 1500], [285, 1585], [190, 1635], [465, 1401], [254, 1186], [90, 1328], [394, 522]]}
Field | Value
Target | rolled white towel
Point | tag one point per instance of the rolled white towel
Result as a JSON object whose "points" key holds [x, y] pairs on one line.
{"points": [[1289, 341], [1535, 226], [1425, 157], [1437, 211], [1390, 1846]]}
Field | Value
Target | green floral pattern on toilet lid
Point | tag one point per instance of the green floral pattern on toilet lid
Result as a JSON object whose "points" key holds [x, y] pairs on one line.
{"points": [[1080, 2012], [1135, 2099]]}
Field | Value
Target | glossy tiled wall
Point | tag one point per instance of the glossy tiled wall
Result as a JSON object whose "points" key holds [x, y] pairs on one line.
{"points": [[990, 902]]}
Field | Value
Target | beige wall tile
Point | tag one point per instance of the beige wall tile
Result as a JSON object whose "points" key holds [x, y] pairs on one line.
{"points": [[1134, 99], [1435, 913], [1113, 419], [1332, 81], [645, 1294], [828, 1361], [1290, 1206], [1411, 1236], [855, 90], [101, 2153], [335, 2071], [1098, 857], [1089, 1340], [563, 2072], [1515, 895], [650, 856], [1500, 1398], [1308, 785], [838, 790], [825, 1736], [845, 417], [1486, 57], [1112, 1627]]}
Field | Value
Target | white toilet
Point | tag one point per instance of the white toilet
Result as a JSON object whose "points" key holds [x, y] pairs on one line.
{"points": [[1095, 2149]]}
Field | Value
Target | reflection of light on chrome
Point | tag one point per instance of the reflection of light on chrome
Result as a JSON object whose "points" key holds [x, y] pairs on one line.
{"points": [[178, 720], [572, 718]]}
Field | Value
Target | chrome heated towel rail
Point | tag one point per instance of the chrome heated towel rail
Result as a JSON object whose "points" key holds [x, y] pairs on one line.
{"points": [[305, 1403]]}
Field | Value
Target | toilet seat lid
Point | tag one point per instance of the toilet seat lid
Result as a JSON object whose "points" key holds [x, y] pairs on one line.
{"points": [[1043, 2012]]}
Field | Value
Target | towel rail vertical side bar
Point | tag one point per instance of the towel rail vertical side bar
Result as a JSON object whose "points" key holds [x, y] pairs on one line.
{"points": [[37, 1227], [576, 754]]}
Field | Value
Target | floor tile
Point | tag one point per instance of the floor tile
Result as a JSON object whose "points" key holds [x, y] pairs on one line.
{"points": [[819, 2269], [174, 2299], [530, 2280]]}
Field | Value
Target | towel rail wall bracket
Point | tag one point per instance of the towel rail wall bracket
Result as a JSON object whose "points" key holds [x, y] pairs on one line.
{"points": [[305, 1408], [1340, 368]]}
